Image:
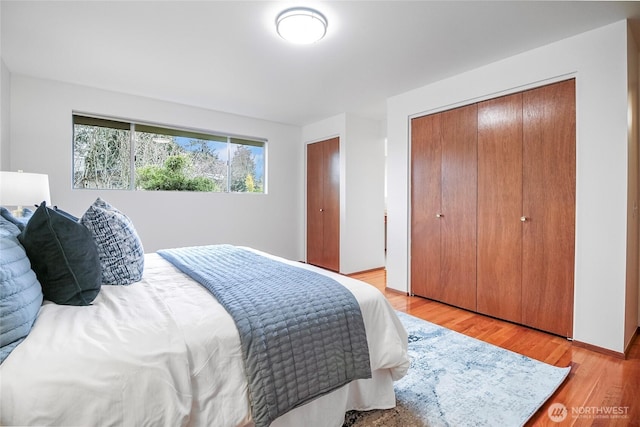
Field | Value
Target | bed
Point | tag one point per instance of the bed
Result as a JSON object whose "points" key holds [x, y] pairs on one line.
{"points": [[164, 352]]}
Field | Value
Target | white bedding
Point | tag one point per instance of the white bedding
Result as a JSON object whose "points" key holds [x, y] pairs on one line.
{"points": [[163, 351]]}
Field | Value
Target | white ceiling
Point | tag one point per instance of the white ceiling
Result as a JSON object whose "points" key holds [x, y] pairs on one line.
{"points": [[226, 55]]}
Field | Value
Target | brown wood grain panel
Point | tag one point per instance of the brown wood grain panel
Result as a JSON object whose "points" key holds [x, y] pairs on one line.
{"points": [[500, 207], [549, 204], [459, 205], [323, 204], [426, 159], [315, 197], [331, 207]]}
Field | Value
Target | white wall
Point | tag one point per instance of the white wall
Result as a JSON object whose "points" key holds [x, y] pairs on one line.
{"points": [[633, 233], [5, 77], [41, 141], [635, 133], [363, 239], [361, 188], [5, 100], [597, 59]]}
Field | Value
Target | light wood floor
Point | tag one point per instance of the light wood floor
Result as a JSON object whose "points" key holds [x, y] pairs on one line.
{"points": [[597, 386]]}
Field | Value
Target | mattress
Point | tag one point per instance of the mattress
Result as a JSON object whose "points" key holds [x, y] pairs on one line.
{"points": [[164, 352]]}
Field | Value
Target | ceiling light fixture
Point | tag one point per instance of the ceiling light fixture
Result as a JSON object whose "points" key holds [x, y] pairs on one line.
{"points": [[301, 25]]}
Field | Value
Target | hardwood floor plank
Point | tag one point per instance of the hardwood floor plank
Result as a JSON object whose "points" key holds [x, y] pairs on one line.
{"points": [[601, 390]]}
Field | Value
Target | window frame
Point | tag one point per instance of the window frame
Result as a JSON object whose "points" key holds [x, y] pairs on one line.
{"points": [[134, 126]]}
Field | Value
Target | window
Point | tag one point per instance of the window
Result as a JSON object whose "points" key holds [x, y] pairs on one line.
{"points": [[110, 154]]}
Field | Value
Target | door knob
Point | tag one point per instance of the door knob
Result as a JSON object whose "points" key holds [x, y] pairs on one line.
{"points": [[439, 215], [321, 210], [523, 218]]}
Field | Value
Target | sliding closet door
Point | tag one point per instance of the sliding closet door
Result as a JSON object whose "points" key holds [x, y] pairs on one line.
{"points": [[500, 207], [549, 160], [426, 203], [443, 206], [323, 204], [459, 205], [493, 207]]}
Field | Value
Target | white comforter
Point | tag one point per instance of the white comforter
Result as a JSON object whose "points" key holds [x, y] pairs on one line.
{"points": [[164, 352]]}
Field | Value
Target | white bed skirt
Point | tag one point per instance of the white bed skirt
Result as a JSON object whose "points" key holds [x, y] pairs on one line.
{"points": [[328, 410]]}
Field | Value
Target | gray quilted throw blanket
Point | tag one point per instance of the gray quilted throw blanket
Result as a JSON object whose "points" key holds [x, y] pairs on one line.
{"points": [[302, 333]]}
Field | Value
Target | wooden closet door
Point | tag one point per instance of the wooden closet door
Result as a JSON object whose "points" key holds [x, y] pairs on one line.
{"points": [[443, 206], [549, 161], [323, 204], [426, 203], [500, 207], [459, 205], [331, 209], [315, 201]]}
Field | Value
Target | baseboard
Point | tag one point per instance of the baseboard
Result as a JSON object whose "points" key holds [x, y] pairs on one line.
{"points": [[364, 271], [395, 291], [631, 341], [600, 350]]}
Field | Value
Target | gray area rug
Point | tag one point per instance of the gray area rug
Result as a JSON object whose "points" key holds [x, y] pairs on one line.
{"points": [[455, 380]]}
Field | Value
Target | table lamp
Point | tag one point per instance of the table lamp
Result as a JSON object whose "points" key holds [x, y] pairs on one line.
{"points": [[23, 189]]}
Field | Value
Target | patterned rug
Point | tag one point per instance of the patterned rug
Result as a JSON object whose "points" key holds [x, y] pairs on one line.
{"points": [[455, 380]]}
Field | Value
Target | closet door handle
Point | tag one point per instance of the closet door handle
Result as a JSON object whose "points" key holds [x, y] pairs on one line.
{"points": [[439, 215], [524, 218]]}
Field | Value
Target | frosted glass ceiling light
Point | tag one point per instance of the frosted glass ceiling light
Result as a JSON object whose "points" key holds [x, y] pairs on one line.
{"points": [[301, 25]]}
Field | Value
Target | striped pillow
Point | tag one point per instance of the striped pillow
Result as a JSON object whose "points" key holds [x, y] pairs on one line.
{"points": [[119, 247]]}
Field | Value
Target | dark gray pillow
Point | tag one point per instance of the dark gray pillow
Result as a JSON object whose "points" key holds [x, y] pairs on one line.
{"points": [[63, 255]]}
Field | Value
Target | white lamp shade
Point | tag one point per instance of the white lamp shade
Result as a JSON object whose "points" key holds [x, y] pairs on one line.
{"points": [[24, 189], [301, 25]]}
